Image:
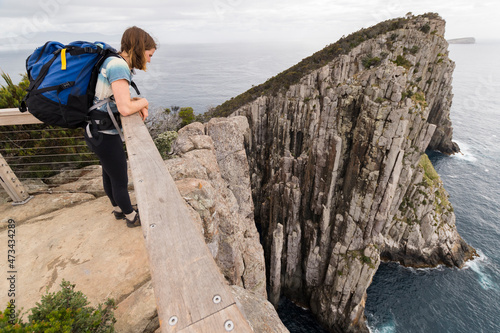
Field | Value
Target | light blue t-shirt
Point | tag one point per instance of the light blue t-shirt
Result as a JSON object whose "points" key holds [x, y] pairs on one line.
{"points": [[112, 69]]}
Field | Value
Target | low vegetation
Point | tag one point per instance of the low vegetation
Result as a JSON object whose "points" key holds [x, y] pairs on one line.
{"points": [[432, 181], [164, 142], [402, 61], [65, 311], [371, 61], [11, 94]]}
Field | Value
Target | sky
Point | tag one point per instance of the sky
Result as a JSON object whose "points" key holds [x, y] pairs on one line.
{"points": [[318, 22]]}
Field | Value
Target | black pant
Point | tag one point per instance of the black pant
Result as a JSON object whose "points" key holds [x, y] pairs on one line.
{"points": [[114, 169]]}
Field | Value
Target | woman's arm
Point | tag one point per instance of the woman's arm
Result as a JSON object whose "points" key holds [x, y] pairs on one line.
{"points": [[127, 106]]}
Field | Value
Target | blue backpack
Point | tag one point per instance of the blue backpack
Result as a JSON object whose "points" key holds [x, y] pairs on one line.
{"points": [[62, 82]]}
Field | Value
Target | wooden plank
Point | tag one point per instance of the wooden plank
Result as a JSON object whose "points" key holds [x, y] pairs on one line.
{"points": [[15, 117], [228, 320], [8, 189], [187, 282], [10, 183]]}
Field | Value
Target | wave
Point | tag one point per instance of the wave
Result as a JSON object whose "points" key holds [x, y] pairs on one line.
{"points": [[479, 259], [478, 265], [465, 152], [420, 270], [389, 327]]}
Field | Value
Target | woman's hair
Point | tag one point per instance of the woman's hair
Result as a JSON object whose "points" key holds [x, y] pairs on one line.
{"points": [[135, 42]]}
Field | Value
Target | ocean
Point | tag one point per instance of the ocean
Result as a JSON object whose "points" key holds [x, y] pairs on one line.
{"points": [[400, 299], [196, 75]]}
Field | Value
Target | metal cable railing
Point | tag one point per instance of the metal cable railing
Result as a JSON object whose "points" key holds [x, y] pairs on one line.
{"points": [[47, 157]]}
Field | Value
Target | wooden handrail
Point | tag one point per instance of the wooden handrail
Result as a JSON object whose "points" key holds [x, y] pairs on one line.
{"points": [[191, 293], [14, 117]]}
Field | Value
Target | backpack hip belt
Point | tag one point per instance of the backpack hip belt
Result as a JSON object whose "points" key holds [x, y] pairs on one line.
{"points": [[99, 121]]}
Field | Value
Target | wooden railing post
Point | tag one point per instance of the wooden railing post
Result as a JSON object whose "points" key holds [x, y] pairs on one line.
{"points": [[191, 293], [11, 184]]}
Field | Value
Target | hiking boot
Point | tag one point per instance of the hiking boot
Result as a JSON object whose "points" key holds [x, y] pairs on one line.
{"points": [[121, 215], [135, 222]]}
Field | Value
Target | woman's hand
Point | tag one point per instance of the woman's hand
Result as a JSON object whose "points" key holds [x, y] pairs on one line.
{"points": [[144, 113]]}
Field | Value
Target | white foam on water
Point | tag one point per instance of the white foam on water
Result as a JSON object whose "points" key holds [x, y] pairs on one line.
{"points": [[413, 270], [477, 266], [381, 327], [465, 153], [385, 328], [481, 258], [431, 269]]}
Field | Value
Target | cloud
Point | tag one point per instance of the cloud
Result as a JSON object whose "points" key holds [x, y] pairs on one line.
{"points": [[318, 21]]}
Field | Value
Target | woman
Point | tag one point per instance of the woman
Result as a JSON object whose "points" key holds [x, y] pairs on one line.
{"points": [[137, 48]]}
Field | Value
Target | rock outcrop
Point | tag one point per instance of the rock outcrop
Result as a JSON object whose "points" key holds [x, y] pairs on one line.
{"points": [[211, 173], [338, 169]]}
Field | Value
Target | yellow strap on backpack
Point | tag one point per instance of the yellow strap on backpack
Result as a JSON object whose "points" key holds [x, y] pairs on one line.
{"points": [[63, 59]]}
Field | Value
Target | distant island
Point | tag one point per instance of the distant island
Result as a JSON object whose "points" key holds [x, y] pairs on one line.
{"points": [[465, 40]]}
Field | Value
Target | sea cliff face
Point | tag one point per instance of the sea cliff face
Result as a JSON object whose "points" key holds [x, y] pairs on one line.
{"points": [[340, 179]]}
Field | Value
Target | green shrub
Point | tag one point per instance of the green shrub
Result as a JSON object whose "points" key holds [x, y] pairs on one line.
{"points": [[65, 311], [371, 61], [164, 142], [187, 116], [402, 61], [11, 94], [366, 260], [425, 28]]}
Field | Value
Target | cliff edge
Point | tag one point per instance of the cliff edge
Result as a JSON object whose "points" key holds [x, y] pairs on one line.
{"points": [[67, 232], [340, 179]]}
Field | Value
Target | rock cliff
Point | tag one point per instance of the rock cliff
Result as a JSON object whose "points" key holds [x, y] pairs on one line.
{"points": [[338, 169], [211, 173]]}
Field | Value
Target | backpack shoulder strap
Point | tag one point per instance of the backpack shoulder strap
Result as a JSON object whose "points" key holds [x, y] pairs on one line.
{"points": [[132, 83]]}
